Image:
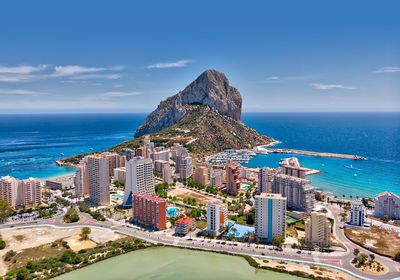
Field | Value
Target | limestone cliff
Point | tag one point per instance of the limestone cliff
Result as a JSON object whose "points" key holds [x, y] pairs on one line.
{"points": [[211, 89]]}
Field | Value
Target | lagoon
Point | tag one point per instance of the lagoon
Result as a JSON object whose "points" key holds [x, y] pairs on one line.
{"points": [[173, 264]]}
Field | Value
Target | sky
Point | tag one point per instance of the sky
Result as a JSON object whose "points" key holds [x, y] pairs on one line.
{"points": [[127, 56]]}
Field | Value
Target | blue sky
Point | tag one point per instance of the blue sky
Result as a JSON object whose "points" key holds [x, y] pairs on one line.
{"points": [[120, 56]]}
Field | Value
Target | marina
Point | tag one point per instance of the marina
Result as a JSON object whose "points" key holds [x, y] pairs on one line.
{"points": [[240, 156]]}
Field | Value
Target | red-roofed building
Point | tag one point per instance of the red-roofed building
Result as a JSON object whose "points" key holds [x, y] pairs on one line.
{"points": [[184, 225], [149, 211]]}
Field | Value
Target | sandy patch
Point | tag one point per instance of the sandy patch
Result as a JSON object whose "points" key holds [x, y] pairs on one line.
{"points": [[33, 237], [76, 244], [317, 271], [182, 193]]}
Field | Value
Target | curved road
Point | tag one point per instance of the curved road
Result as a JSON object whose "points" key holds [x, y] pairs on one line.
{"points": [[339, 261]]}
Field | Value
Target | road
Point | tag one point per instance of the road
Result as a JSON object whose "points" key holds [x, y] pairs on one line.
{"points": [[336, 260]]}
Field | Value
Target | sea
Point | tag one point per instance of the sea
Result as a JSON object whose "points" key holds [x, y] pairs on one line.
{"points": [[31, 143]]}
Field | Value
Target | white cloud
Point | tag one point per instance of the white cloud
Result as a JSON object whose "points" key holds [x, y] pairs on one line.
{"points": [[390, 69], [23, 69], [96, 76], [21, 92], [176, 64], [118, 86], [274, 78], [331, 86], [70, 70], [120, 94]]}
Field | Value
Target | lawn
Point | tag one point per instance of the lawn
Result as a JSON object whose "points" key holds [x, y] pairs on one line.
{"points": [[200, 224], [376, 239]]}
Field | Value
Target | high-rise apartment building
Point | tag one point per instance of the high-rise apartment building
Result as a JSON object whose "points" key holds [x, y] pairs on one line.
{"points": [[31, 192], [149, 211], [139, 178], [99, 179], [216, 217], [232, 178], [299, 192], [387, 206], [357, 214], [270, 216], [265, 178], [9, 191], [167, 174], [201, 175], [216, 177], [81, 180], [318, 230]]}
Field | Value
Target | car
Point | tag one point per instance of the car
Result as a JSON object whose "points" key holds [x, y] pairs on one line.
{"points": [[262, 254], [298, 252]]}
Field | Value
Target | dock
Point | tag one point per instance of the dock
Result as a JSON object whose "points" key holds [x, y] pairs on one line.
{"points": [[315, 154]]}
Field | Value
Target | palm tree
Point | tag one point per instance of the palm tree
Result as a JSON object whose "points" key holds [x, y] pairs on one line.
{"points": [[85, 231]]}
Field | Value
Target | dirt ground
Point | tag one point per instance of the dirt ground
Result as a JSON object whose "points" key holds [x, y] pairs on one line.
{"points": [[20, 239], [317, 271], [379, 240], [182, 193]]}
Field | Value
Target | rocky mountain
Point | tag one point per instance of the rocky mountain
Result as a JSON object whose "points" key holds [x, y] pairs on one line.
{"points": [[211, 89]]}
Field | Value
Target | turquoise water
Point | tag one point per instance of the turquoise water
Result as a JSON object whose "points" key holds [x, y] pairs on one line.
{"points": [[172, 212], [238, 230], [245, 187], [30, 144], [375, 136], [117, 196]]}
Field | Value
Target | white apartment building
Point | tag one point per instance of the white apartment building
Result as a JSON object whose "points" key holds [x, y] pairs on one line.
{"points": [[387, 205], [318, 230], [139, 178], [357, 214], [216, 217], [185, 167], [99, 179], [270, 216], [299, 192], [216, 177]]}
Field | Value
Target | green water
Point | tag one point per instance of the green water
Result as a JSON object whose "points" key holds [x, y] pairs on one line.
{"points": [[173, 264]]}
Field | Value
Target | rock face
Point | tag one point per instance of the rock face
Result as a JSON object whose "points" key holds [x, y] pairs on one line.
{"points": [[211, 88]]}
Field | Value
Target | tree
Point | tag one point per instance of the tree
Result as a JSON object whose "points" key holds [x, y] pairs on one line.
{"points": [[2, 244], [362, 258], [71, 216], [278, 240], [356, 251], [372, 257], [85, 231], [5, 210], [397, 257]]}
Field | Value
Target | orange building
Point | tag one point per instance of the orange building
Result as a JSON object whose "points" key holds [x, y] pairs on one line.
{"points": [[232, 178], [149, 211]]}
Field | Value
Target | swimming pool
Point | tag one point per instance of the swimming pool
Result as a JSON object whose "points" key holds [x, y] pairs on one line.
{"points": [[245, 187], [117, 196], [238, 230], [172, 212]]}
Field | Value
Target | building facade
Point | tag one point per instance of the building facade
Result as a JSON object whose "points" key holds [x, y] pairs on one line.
{"points": [[120, 174], [216, 177], [270, 216], [387, 206], [139, 178], [31, 192], [216, 217], [167, 173], [299, 192], [99, 179], [265, 178], [149, 211], [318, 230], [357, 214], [201, 175], [232, 178], [184, 225]]}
